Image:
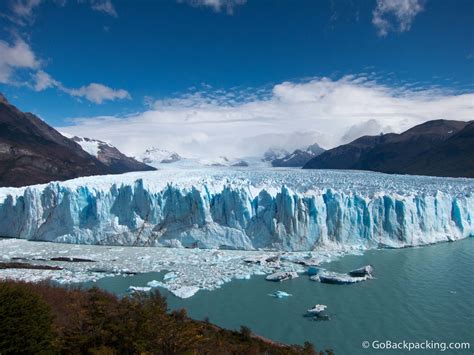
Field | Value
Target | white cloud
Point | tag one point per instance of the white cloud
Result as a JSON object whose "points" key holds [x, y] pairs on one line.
{"points": [[217, 5], [15, 56], [98, 93], [104, 6], [23, 11], [19, 56], [370, 127], [403, 12], [291, 115], [44, 81]]}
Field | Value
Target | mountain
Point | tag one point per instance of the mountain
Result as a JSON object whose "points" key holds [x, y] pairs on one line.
{"points": [[32, 152], [155, 156], [299, 157], [275, 153], [116, 161], [438, 148]]}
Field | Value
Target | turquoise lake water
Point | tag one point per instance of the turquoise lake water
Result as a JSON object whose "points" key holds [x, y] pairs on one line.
{"points": [[418, 294]]}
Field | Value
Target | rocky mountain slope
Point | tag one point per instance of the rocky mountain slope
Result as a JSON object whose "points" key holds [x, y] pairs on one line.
{"points": [[299, 157], [107, 154], [438, 148], [32, 152]]}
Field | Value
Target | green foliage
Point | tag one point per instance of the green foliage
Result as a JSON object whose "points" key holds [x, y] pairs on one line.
{"points": [[26, 323], [40, 318]]}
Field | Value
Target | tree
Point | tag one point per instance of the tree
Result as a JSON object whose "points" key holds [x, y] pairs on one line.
{"points": [[26, 322], [245, 332]]}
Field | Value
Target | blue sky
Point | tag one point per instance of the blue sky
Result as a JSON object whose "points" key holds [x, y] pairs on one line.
{"points": [[142, 55]]}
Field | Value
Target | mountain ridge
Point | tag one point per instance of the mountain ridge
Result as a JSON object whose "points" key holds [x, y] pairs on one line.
{"points": [[32, 152], [410, 152]]}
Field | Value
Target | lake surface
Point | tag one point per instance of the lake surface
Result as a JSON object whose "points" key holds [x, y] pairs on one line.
{"points": [[418, 294]]}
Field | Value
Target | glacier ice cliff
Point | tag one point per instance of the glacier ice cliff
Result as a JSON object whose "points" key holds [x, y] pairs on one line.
{"points": [[293, 210]]}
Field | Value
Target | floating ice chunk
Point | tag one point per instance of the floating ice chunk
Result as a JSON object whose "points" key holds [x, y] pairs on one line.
{"points": [[154, 283], [318, 308], [282, 276], [185, 291], [312, 271], [362, 271], [280, 294], [170, 276], [139, 289], [330, 277], [243, 276]]}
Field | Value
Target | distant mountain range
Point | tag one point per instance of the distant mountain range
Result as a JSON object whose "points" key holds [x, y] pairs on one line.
{"points": [[299, 157], [155, 156], [32, 152], [437, 148]]}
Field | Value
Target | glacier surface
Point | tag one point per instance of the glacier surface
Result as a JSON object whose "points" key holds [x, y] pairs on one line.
{"points": [[243, 209]]}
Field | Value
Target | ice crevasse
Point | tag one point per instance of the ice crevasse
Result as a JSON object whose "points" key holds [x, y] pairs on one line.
{"points": [[286, 210]]}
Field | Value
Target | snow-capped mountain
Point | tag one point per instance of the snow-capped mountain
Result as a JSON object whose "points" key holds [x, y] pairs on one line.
{"points": [[32, 152], [224, 161], [91, 146], [275, 153], [110, 156], [155, 156], [299, 157]]}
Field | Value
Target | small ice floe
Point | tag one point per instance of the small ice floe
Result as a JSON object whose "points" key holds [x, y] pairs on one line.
{"points": [[312, 270], [318, 308], [362, 274], [282, 276], [308, 261], [153, 283], [243, 276], [170, 276], [264, 260], [280, 294], [317, 312], [139, 289], [185, 291], [362, 271]]}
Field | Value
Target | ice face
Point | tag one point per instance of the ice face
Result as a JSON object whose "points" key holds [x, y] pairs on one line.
{"points": [[281, 209]]}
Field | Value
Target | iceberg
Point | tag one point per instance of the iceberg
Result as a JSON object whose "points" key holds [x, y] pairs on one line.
{"points": [[170, 275], [282, 276], [280, 294], [318, 308], [238, 209], [185, 291], [317, 312], [154, 283], [139, 289], [336, 278], [363, 271]]}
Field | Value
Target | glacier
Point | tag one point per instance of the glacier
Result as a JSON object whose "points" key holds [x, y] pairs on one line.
{"points": [[243, 209]]}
